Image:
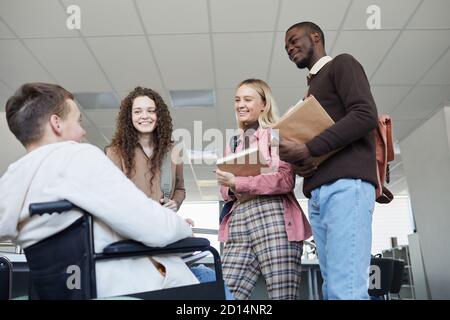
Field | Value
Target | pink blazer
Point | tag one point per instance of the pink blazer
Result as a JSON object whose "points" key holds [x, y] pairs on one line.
{"points": [[280, 182]]}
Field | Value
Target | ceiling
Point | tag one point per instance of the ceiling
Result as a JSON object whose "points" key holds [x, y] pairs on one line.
{"points": [[214, 44]]}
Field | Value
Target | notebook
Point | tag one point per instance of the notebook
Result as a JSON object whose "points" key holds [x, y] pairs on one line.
{"points": [[246, 163], [303, 122]]}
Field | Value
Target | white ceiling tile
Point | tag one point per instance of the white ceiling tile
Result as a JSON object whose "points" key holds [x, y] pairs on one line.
{"points": [[162, 93], [225, 105], [107, 17], [4, 90], [103, 118], [123, 94], [196, 120], [284, 73], [432, 14], [440, 73], [43, 18], [184, 60], [108, 131], [422, 101], [190, 114], [393, 14], [137, 69], [174, 16], [402, 128], [414, 52], [18, 66], [70, 62], [387, 97], [243, 16], [5, 33], [327, 15], [241, 56], [368, 47], [95, 136], [287, 97], [3, 100]]}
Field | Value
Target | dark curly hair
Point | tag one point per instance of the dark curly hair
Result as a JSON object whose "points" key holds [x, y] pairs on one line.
{"points": [[126, 137]]}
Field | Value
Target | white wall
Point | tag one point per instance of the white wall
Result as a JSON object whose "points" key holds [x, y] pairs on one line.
{"points": [[426, 159]]}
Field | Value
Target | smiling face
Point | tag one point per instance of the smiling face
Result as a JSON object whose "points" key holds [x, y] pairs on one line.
{"points": [[144, 115], [299, 47], [248, 105]]}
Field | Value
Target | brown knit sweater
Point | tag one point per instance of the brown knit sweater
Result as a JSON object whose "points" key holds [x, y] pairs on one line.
{"points": [[342, 88], [142, 174]]}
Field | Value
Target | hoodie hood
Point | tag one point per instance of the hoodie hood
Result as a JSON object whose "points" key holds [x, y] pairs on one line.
{"points": [[14, 186]]}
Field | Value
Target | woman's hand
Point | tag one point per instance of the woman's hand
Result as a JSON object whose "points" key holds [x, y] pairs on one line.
{"points": [[171, 204], [226, 179]]}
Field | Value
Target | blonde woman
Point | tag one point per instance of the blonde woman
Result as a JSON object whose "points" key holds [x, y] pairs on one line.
{"points": [[264, 230]]}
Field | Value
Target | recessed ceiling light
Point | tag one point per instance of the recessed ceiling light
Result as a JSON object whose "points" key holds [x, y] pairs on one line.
{"points": [[97, 100], [192, 98]]}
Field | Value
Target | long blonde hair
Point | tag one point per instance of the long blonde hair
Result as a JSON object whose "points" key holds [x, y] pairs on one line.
{"points": [[270, 114]]}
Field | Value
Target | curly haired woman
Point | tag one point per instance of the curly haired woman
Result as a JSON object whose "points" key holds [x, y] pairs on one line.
{"points": [[139, 147], [142, 139]]}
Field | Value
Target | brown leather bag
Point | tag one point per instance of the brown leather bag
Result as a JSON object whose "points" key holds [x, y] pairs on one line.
{"points": [[384, 154]]}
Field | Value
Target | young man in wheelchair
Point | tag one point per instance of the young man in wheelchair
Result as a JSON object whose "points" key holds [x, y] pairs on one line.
{"points": [[47, 121]]}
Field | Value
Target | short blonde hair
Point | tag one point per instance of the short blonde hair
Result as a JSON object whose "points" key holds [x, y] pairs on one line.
{"points": [[270, 114]]}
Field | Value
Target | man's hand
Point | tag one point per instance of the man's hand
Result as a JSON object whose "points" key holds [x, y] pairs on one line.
{"points": [[306, 170], [226, 179], [189, 221], [171, 204], [293, 152]]}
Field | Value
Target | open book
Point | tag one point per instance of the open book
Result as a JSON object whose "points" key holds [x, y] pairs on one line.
{"points": [[303, 122], [246, 163]]}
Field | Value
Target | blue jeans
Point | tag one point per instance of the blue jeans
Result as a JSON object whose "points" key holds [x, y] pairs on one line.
{"points": [[340, 214], [205, 274]]}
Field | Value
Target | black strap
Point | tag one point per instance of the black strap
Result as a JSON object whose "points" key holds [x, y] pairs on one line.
{"points": [[234, 142]]}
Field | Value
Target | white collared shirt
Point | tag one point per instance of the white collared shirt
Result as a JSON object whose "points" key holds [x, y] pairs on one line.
{"points": [[319, 64]]}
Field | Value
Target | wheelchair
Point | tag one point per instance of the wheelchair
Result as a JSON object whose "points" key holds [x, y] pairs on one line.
{"points": [[49, 260], [5, 278]]}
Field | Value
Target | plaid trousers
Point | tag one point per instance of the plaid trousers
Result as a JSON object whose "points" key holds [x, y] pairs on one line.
{"points": [[257, 244]]}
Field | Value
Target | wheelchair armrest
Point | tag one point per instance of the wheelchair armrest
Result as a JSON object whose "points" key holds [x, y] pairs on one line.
{"points": [[134, 247], [41, 208]]}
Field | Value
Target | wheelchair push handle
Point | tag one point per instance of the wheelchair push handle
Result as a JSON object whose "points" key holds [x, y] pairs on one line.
{"points": [[50, 207]]}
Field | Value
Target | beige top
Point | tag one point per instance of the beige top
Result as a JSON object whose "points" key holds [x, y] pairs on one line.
{"points": [[141, 175]]}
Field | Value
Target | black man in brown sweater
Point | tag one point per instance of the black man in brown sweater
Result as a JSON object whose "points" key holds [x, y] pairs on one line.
{"points": [[341, 190]]}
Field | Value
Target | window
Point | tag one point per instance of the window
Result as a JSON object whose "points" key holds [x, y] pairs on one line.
{"points": [[206, 216]]}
